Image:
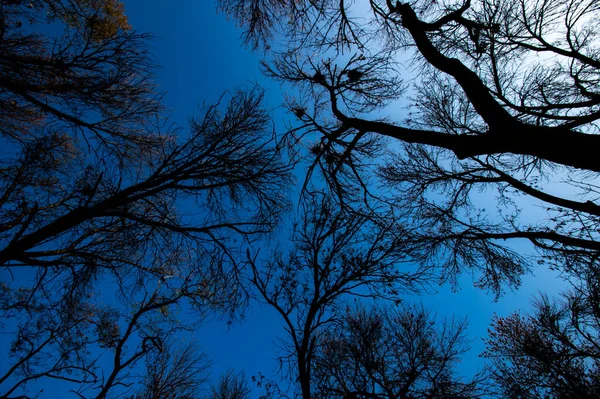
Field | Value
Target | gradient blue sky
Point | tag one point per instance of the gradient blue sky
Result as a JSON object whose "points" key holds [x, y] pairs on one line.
{"points": [[200, 54]]}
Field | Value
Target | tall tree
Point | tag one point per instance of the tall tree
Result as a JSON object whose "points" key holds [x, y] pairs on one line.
{"points": [[97, 256], [333, 256], [503, 96]]}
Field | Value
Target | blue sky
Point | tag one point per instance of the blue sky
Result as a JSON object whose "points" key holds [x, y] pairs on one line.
{"points": [[199, 53]]}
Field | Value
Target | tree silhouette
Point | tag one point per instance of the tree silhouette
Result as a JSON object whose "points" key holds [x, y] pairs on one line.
{"points": [[552, 353], [97, 257], [334, 255], [393, 352], [88, 72], [176, 372], [503, 96], [231, 385]]}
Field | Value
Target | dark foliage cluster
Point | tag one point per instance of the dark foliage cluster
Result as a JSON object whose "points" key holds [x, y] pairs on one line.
{"points": [[394, 352]]}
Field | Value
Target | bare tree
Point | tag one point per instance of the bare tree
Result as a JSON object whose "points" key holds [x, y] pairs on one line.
{"points": [[554, 352], [393, 352], [231, 385], [97, 256], [334, 255], [176, 372], [505, 99], [88, 73], [95, 340]]}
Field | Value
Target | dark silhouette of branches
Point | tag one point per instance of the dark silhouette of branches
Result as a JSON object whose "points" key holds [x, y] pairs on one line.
{"points": [[393, 352], [78, 337], [502, 97], [177, 372], [231, 385], [334, 255], [552, 353], [225, 156], [505, 99], [91, 74]]}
